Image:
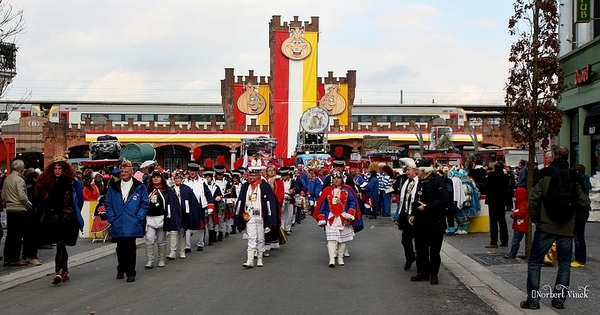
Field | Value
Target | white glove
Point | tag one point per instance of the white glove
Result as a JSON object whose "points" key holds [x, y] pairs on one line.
{"points": [[322, 223], [267, 230], [209, 211], [347, 216]]}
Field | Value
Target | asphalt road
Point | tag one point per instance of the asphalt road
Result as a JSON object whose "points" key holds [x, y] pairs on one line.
{"points": [[295, 280]]}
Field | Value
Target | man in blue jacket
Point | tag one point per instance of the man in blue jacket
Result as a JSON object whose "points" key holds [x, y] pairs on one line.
{"points": [[126, 205]]}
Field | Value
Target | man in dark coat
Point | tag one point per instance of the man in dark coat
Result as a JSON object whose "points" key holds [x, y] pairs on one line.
{"points": [[429, 218], [497, 184]]}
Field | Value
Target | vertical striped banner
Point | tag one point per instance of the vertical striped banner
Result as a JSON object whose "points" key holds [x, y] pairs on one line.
{"points": [[295, 90]]}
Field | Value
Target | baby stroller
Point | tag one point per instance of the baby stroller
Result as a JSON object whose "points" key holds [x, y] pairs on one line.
{"points": [[100, 226]]}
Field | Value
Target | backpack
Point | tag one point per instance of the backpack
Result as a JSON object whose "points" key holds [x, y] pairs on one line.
{"points": [[561, 201]]}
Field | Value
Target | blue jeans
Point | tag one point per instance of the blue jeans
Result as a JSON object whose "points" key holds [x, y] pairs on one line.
{"points": [[385, 203], [542, 242], [516, 242]]}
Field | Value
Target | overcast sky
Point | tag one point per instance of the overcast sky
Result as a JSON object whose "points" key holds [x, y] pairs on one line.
{"points": [[450, 51]]}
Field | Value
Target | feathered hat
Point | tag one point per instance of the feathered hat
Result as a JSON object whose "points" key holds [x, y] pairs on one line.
{"points": [[208, 168], [339, 161], [220, 167]]}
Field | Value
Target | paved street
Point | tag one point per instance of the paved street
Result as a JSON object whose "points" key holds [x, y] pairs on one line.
{"points": [[295, 280]]}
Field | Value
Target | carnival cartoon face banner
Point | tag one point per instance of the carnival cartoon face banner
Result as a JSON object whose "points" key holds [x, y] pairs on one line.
{"points": [[333, 102], [296, 47], [251, 102]]}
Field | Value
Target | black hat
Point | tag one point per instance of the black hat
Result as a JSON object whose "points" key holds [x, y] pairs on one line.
{"points": [[156, 173], [193, 166], [339, 162], [423, 163]]}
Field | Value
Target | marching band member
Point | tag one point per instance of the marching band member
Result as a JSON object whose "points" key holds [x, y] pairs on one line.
{"points": [[191, 217], [336, 210], [218, 212], [163, 206], [257, 209], [221, 181], [231, 191], [290, 188], [272, 237], [205, 202]]}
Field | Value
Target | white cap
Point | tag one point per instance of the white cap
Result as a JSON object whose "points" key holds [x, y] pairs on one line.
{"points": [[147, 163], [408, 162]]}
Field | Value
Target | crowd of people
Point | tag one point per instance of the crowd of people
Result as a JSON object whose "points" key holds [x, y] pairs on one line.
{"points": [[205, 204]]}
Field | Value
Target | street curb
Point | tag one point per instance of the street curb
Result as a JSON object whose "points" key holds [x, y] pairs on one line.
{"points": [[16, 278], [498, 293]]}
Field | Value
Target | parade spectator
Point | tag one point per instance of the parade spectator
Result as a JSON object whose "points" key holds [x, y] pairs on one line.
{"points": [[497, 185], [91, 192], [520, 222], [386, 180], [14, 193], [371, 190], [258, 209], [126, 206], [60, 197], [32, 236], [337, 210], [429, 218], [522, 177], [99, 184], [549, 230], [403, 213], [581, 218]]}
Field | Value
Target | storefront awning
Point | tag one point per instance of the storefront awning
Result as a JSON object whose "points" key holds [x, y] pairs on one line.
{"points": [[591, 126]]}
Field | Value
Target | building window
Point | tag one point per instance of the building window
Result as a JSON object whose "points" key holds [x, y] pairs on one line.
{"points": [[172, 159]]}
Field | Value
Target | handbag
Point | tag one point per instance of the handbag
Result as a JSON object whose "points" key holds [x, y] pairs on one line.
{"points": [[389, 190]]}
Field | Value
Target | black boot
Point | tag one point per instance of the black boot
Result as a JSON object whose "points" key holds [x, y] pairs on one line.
{"points": [[211, 236], [220, 238]]}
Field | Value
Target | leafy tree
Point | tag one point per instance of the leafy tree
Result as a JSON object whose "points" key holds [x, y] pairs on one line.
{"points": [[535, 80], [11, 24]]}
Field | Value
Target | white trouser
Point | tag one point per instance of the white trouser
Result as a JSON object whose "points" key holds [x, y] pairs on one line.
{"points": [[228, 225], [210, 224], [154, 230], [188, 238], [256, 233], [221, 226], [288, 214]]}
